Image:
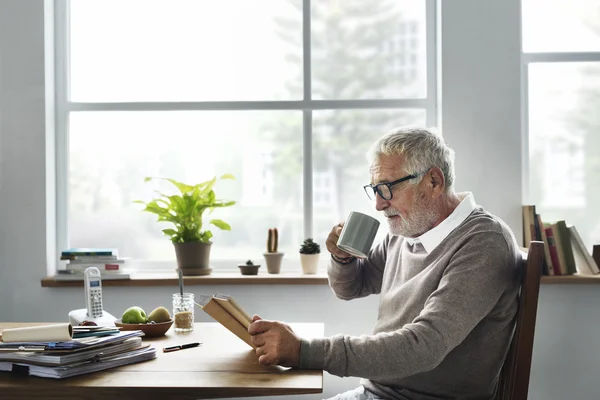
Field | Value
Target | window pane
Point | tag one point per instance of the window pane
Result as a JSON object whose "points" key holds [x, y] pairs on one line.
{"points": [[185, 50], [112, 152], [368, 49], [341, 141], [564, 144], [561, 25]]}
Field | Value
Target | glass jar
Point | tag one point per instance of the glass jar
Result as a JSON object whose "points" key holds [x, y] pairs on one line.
{"points": [[183, 312]]}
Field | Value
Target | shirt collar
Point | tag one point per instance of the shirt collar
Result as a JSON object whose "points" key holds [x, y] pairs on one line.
{"points": [[433, 237]]}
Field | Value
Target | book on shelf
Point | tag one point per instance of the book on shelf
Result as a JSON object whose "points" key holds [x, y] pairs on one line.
{"points": [[85, 259], [548, 265], [89, 251], [567, 248], [552, 249], [584, 261], [528, 224], [71, 275], [596, 253], [225, 310], [103, 267]]}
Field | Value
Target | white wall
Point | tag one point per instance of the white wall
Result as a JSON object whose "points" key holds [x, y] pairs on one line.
{"points": [[480, 99]]}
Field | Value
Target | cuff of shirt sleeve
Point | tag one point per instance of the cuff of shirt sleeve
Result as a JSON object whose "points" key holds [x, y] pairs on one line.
{"points": [[312, 354]]}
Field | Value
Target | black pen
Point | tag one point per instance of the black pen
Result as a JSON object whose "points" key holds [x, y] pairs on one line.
{"points": [[180, 347]]}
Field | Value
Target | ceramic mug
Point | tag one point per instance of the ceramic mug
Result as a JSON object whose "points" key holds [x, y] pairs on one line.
{"points": [[358, 234]]}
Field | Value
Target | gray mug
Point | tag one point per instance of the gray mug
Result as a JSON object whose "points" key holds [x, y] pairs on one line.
{"points": [[358, 234]]}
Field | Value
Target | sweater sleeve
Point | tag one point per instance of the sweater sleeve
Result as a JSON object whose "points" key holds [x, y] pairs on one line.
{"points": [[361, 277], [469, 289]]}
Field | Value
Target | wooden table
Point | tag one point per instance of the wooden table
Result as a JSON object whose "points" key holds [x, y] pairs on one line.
{"points": [[223, 366]]}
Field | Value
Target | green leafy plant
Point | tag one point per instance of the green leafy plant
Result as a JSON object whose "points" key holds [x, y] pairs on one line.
{"points": [[310, 247], [272, 240], [185, 210], [249, 262]]}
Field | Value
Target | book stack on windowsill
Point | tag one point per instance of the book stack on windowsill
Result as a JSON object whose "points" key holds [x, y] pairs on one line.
{"points": [[77, 260]]}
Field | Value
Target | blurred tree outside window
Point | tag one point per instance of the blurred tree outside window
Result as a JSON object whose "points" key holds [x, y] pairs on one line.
{"points": [[194, 89]]}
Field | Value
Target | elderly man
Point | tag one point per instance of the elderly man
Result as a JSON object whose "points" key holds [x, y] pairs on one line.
{"points": [[448, 282]]}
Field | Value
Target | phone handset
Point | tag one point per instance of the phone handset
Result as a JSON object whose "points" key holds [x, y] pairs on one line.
{"points": [[93, 292]]}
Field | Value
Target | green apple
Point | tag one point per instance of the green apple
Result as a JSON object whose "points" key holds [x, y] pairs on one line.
{"points": [[134, 315]]}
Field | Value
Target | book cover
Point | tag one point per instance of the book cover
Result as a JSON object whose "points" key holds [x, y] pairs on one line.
{"points": [[580, 252], [212, 307], [84, 259], [229, 303], [565, 239], [101, 266], [89, 251], [548, 267], [559, 249], [528, 224], [552, 250]]}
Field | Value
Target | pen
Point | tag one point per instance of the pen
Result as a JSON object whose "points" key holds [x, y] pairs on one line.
{"points": [[181, 347]]}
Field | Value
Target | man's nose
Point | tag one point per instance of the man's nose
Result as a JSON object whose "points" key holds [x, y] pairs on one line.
{"points": [[380, 203]]}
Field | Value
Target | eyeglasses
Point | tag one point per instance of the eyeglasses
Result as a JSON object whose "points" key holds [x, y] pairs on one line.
{"points": [[384, 190]]}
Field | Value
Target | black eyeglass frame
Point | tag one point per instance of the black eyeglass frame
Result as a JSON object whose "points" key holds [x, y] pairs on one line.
{"points": [[389, 185]]}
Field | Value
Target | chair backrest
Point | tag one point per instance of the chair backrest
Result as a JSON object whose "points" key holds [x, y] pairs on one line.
{"points": [[514, 377]]}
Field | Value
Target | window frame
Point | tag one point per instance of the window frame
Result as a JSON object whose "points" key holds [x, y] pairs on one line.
{"points": [[64, 106], [527, 59]]}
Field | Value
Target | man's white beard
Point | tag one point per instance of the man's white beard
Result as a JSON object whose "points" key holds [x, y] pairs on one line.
{"points": [[419, 221]]}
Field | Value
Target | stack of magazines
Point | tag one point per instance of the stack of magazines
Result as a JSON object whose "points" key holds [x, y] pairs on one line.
{"points": [[70, 351]]}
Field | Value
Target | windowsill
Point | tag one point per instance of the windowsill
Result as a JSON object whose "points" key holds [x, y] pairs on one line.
{"points": [[144, 279]]}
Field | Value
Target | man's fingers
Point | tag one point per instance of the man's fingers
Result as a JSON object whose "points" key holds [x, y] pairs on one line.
{"points": [[258, 340], [259, 326], [266, 359], [255, 317]]}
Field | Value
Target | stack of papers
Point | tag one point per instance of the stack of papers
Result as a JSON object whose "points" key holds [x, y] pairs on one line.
{"points": [[83, 354]]}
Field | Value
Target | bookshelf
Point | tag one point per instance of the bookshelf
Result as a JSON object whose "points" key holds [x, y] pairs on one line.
{"points": [[571, 279]]}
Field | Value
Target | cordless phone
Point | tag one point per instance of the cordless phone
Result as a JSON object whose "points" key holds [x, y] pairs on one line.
{"points": [[93, 292]]}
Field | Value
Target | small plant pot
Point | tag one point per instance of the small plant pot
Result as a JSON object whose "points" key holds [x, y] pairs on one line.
{"points": [[273, 262], [310, 263], [193, 258], [246, 269]]}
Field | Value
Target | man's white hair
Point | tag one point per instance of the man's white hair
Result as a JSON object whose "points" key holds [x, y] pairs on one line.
{"points": [[422, 149]]}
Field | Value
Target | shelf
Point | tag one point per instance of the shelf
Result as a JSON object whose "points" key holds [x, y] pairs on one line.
{"points": [[146, 279], [222, 278], [571, 279]]}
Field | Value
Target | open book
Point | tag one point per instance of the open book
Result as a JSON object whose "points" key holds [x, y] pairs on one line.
{"points": [[225, 310]]}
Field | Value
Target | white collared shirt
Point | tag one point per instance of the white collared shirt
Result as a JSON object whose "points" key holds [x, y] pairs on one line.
{"points": [[433, 237]]}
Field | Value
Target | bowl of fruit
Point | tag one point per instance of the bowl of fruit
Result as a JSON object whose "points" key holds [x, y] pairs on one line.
{"points": [[155, 324]]}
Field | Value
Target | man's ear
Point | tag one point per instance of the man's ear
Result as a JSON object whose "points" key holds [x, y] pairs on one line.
{"points": [[436, 181]]}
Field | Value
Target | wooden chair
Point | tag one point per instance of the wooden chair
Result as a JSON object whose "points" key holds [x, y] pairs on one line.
{"points": [[514, 377]]}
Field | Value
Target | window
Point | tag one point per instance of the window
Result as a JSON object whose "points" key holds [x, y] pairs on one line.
{"points": [[286, 95], [562, 84]]}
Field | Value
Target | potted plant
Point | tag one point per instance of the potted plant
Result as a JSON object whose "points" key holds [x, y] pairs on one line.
{"points": [[185, 211], [272, 256], [309, 256], [249, 268]]}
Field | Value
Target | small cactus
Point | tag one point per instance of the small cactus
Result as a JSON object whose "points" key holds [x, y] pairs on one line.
{"points": [[272, 240], [249, 262], [310, 247]]}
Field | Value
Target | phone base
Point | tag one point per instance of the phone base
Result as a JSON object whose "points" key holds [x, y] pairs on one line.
{"points": [[76, 317]]}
